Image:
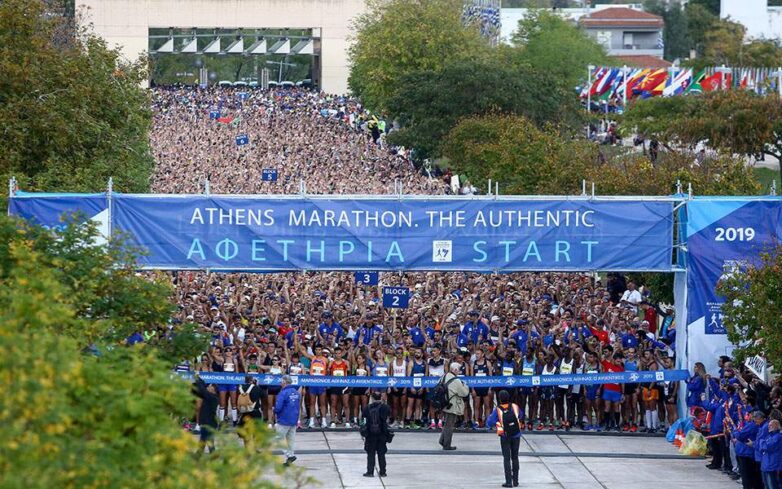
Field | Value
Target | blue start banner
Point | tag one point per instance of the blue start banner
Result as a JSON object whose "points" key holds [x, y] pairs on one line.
{"points": [[415, 382], [724, 235], [275, 234]]}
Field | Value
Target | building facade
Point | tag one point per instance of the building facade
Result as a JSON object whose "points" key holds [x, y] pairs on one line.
{"points": [[760, 20], [626, 32], [127, 23]]}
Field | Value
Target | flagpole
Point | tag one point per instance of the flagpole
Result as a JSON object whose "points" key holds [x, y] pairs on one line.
{"points": [[624, 92], [589, 87], [779, 82]]}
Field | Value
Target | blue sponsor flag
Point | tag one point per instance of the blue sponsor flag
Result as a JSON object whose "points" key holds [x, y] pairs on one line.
{"points": [[214, 115], [242, 139], [396, 297]]}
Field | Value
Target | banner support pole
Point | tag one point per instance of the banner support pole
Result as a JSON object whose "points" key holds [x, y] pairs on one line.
{"points": [[489, 191], [496, 190], [583, 188], [11, 186], [774, 187], [593, 190], [207, 190], [110, 205], [678, 187]]}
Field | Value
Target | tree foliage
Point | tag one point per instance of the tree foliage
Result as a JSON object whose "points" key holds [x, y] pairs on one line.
{"points": [[526, 160], [753, 306], [73, 113], [72, 418], [737, 121], [550, 44], [397, 37], [434, 101]]}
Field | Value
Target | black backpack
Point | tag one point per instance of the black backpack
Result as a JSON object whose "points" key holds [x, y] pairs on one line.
{"points": [[439, 395], [510, 423]]}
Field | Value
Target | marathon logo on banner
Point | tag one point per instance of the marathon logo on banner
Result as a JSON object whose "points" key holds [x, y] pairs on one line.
{"points": [[328, 233], [415, 382]]}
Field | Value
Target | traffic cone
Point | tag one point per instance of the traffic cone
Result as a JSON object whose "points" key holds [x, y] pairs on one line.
{"points": [[679, 439]]}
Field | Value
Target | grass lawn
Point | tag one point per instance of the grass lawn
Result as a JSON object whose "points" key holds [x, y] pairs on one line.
{"points": [[765, 176]]}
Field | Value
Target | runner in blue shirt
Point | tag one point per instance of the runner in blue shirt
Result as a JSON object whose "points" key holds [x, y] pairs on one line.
{"points": [[330, 330]]}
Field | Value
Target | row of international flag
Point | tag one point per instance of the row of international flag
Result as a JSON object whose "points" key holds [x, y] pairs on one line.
{"points": [[608, 83]]}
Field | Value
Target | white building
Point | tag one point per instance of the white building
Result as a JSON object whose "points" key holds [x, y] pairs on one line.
{"points": [[510, 17], [127, 23], [760, 20]]}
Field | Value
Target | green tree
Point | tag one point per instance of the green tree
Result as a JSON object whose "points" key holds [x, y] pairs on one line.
{"points": [[753, 306], [73, 113], [527, 160], [735, 121], [397, 37], [676, 33], [434, 101], [74, 419], [551, 44], [711, 6]]}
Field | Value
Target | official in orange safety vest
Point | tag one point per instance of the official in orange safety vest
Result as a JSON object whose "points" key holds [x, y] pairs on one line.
{"points": [[505, 418]]}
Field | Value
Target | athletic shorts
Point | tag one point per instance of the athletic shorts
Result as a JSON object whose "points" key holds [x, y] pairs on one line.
{"points": [[397, 392], [591, 392], [611, 396], [227, 388], [359, 391], [630, 389], [274, 390], [316, 391], [560, 392], [547, 393], [650, 394], [481, 391], [336, 391], [527, 390], [415, 393]]}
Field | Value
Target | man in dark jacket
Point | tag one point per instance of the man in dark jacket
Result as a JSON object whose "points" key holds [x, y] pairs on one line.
{"points": [[207, 413], [375, 433], [505, 419]]}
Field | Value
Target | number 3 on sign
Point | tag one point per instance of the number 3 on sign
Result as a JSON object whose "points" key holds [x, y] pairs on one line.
{"points": [[735, 234]]}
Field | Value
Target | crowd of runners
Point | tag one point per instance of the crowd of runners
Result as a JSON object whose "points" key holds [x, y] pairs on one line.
{"points": [[327, 324]]}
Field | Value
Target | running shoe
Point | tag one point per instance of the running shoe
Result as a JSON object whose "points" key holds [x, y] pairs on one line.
{"points": [[588, 427], [432, 425], [625, 427], [440, 424], [550, 427], [633, 428], [312, 423]]}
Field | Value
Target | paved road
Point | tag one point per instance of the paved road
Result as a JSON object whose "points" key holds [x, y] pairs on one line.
{"points": [[548, 461]]}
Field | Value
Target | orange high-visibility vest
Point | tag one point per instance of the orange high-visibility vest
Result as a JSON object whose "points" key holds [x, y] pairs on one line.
{"points": [[500, 428]]}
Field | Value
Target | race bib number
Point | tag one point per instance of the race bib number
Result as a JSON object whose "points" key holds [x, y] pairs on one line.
{"points": [[480, 374], [339, 373], [507, 371]]}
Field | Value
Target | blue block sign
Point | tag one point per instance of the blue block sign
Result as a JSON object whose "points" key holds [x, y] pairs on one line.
{"points": [[242, 139], [269, 175], [396, 297], [214, 114], [367, 278]]}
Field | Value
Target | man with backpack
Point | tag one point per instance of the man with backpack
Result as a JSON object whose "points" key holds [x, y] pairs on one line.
{"points": [[448, 396], [505, 418], [376, 434]]}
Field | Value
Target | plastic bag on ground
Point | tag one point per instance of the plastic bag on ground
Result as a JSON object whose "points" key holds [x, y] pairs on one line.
{"points": [[694, 444]]}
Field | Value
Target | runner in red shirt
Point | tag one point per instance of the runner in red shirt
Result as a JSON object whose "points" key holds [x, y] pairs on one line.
{"points": [[612, 393]]}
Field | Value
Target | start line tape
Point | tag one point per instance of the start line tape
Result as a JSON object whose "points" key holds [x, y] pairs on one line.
{"points": [[641, 377]]}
